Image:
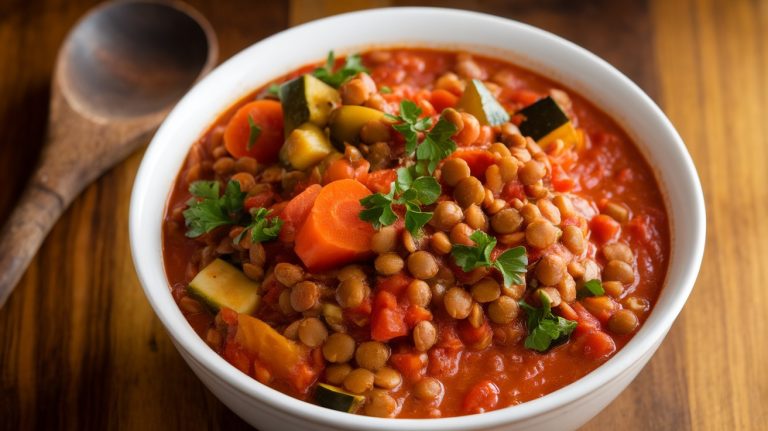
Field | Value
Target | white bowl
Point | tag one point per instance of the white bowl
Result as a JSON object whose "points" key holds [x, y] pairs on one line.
{"points": [[549, 55]]}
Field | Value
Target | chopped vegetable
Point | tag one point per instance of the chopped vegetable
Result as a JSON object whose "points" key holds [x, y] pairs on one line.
{"points": [[207, 210], [333, 234], [436, 146], [242, 139], [305, 147], [511, 264], [411, 193], [307, 99], [544, 328], [285, 359], [387, 318], [478, 101], [385, 89], [335, 398], [347, 121], [352, 66], [222, 285], [545, 121], [262, 227], [296, 212]]}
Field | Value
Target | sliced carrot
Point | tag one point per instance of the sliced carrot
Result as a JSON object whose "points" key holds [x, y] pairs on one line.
{"points": [[478, 160], [415, 314], [296, 212], [264, 115], [333, 233], [604, 228], [381, 181], [441, 99]]}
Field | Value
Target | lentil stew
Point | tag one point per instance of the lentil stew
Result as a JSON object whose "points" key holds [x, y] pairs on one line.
{"points": [[415, 233]]}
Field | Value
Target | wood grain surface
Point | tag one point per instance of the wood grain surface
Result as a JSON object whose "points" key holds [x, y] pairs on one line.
{"points": [[80, 348]]}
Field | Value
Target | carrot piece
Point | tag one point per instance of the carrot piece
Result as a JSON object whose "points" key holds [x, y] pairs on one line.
{"points": [[598, 345], [394, 284], [478, 160], [296, 212], [387, 319], [267, 117], [441, 99], [604, 228], [333, 233], [410, 365], [342, 169], [482, 397], [381, 181]]}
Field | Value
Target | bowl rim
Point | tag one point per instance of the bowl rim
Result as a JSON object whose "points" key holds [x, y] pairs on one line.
{"points": [[646, 340]]}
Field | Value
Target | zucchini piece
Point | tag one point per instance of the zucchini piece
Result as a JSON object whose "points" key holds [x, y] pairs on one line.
{"points": [[307, 99], [545, 122], [335, 398], [347, 121], [305, 147], [222, 285], [478, 101]]}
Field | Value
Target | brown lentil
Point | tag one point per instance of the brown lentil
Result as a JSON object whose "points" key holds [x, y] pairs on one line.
{"points": [[469, 191], [389, 263], [503, 310], [439, 243], [358, 381], [550, 270], [424, 335], [312, 332], [419, 293], [457, 302], [428, 389], [531, 172], [541, 234], [288, 274], [618, 251], [617, 270], [372, 355], [339, 348], [336, 373], [454, 170], [387, 378], [380, 404], [506, 221], [304, 295], [486, 290], [623, 322], [351, 292], [475, 218], [446, 215], [422, 265]]}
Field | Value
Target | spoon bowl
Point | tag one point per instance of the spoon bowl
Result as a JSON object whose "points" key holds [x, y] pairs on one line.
{"points": [[120, 70]]}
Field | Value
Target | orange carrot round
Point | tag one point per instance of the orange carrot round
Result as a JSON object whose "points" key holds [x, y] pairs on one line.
{"points": [[256, 130], [333, 233]]}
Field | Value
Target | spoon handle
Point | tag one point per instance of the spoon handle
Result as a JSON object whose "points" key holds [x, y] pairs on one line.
{"points": [[25, 230]]}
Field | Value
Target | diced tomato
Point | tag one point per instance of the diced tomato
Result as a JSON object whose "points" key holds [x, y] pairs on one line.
{"points": [[442, 99], [415, 314], [604, 228], [235, 355], [258, 201], [602, 307], [478, 159], [566, 311], [394, 284], [342, 169], [586, 321], [387, 319], [444, 361], [482, 397], [410, 365], [381, 181], [513, 190], [561, 181], [598, 345]]}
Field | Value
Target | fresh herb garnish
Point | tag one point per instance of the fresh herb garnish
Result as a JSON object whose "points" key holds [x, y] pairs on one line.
{"points": [[407, 191], [544, 328], [352, 66], [592, 288], [207, 210], [262, 227], [511, 264], [410, 125], [385, 89], [253, 134]]}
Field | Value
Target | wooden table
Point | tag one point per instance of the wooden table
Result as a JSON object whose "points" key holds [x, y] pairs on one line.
{"points": [[80, 348]]}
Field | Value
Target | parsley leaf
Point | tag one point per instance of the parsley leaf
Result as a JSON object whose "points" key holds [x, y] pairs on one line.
{"points": [[207, 210], [274, 90], [411, 193], [410, 125], [470, 257], [512, 264], [544, 328], [385, 89], [253, 134], [592, 288], [436, 146], [262, 227], [352, 66]]}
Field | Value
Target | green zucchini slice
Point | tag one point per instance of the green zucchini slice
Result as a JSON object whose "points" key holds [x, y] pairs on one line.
{"points": [[222, 285], [478, 101], [546, 122], [307, 99], [305, 147], [331, 397]]}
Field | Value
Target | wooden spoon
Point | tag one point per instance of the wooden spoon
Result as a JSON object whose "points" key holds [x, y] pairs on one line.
{"points": [[118, 73]]}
